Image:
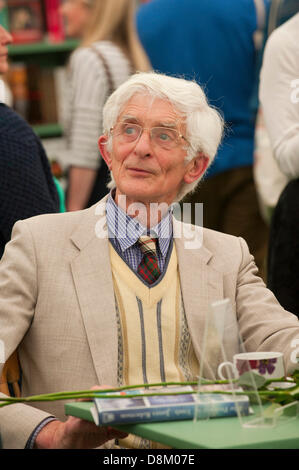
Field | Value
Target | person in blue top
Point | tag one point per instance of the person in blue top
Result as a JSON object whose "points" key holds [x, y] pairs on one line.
{"points": [[213, 43]]}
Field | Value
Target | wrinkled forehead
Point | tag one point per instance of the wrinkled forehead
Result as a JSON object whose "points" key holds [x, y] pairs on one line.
{"points": [[150, 110]]}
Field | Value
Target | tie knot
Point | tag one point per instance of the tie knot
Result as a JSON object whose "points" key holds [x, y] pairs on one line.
{"points": [[147, 244]]}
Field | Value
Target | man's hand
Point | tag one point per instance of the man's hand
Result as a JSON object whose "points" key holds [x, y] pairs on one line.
{"points": [[76, 433]]}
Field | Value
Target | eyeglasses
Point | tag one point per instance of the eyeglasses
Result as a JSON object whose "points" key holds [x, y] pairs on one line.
{"points": [[163, 137]]}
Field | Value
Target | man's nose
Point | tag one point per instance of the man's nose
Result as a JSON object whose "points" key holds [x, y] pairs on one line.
{"points": [[144, 143]]}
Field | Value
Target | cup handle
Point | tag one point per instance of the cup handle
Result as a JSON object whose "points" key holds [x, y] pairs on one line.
{"points": [[226, 364]]}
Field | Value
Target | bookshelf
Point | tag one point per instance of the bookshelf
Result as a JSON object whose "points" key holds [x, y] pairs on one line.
{"points": [[42, 46], [44, 54]]}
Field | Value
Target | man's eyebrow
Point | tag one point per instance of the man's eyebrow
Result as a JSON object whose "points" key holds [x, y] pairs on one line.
{"points": [[171, 124], [128, 117]]}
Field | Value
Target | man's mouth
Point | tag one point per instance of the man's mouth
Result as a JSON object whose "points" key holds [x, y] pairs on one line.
{"points": [[140, 170]]}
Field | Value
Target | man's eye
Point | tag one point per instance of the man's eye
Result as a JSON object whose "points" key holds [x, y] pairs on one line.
{"points": [[129, 130], [164, 136]]}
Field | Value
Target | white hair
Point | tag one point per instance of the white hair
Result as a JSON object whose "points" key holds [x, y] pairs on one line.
{"points": [[204, 125]]}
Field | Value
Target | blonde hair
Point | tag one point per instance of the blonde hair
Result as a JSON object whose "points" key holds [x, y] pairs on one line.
{"points": [[114, 20]]}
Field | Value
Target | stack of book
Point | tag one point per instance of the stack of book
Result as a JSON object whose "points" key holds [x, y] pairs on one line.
{"points": [[33, 20], [38, 92]]}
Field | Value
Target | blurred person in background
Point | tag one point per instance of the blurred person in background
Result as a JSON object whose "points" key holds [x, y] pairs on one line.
{"points": [[269, 179], [214, 42], [26, 184], [108, 53], [279, 96]]}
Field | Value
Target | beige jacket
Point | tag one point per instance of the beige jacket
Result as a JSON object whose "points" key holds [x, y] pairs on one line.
{"points": [[57, 306]]}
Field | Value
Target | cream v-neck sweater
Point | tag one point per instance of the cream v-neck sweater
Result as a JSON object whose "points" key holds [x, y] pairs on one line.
{"points": [[154, 341]]}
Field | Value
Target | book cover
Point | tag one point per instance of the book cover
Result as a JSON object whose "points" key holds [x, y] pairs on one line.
{"points": [[55, 28], [26, 22], [108, 411]]}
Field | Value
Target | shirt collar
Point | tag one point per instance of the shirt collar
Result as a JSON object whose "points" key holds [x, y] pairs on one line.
{"points": [[127, 230]]}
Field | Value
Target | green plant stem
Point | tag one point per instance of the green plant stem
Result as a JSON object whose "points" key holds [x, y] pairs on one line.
{"points": [[95, 394], [90, 394], [116, 389], [84, 393]]}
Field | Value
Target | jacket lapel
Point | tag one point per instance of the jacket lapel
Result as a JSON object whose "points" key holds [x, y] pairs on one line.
{"points": [[201, 285], [94, 287]]}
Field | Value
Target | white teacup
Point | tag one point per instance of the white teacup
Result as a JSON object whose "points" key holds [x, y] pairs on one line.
{"points": [[267, 364]]}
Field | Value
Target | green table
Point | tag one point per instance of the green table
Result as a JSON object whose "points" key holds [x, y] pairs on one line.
{"points": [[216, 433]]}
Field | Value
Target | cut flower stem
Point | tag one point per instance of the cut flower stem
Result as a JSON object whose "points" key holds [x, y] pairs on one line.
{"points": [[112, 392]]}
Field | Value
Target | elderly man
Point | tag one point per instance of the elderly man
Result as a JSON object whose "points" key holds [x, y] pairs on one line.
{"points": [[118, 293]]}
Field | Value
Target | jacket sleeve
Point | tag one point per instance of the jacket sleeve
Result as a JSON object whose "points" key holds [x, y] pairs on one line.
{"points": [[263, 323], [18, 294]]}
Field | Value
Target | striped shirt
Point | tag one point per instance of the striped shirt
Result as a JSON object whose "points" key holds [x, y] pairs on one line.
{"points": [[87, 93], [124, 232]]}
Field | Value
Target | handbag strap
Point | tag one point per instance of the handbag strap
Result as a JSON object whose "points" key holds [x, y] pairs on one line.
{"points": [[260, 7], [106, 68]]}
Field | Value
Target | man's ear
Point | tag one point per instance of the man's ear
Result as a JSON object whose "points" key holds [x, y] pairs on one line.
{"points": [[102, 144], [196, 168]]}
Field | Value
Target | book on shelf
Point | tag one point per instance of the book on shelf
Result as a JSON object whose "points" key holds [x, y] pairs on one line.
{"points": [[26, 21], [43, 105], [34, 93], [109, 411], [34, 115], [48, 98], [54, 21], [17, 78]]}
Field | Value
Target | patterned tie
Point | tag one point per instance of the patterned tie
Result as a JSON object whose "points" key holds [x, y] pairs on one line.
{"points": [[148, 268]]}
